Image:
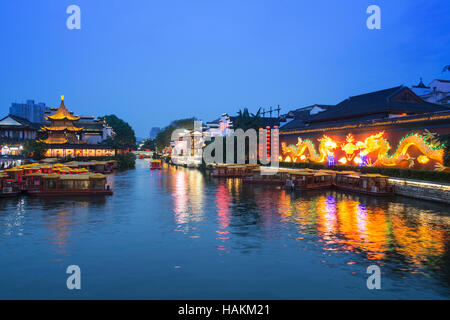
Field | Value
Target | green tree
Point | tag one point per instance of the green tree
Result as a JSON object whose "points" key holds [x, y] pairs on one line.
{"points": [[162, 140], [148, 144], [124, 133], [246, 120], [34, 149]]}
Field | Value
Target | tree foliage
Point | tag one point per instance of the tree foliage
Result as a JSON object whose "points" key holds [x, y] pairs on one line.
{"points": [[163, 138], [246, 120], [148, 144], [124, 133], [34, 149]]}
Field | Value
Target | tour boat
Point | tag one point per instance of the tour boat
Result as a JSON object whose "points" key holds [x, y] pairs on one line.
{"points": [[155, 164], [307, 180], [93, 166], [55, 185], [8, 188], [295, 179], [373, 184], [233, 170], [267, 175]]}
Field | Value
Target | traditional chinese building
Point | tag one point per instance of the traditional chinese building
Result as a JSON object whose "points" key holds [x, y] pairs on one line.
{"points": [[66, 135], [387, 128], [62, 129], [14, 131]]}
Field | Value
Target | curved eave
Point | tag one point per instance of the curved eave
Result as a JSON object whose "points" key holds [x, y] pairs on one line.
{"points": [[53, 141], [62, 128], [62, 117]]}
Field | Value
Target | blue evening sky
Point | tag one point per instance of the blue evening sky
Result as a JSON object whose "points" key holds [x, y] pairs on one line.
{"points": [[151, 62]]}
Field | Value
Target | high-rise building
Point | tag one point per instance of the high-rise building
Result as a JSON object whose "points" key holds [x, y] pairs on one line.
{"points": [[33, 112]]}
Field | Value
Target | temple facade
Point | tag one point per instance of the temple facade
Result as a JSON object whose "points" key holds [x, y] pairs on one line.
{"points": [[62, 129], [67, 136], [386, 128]]}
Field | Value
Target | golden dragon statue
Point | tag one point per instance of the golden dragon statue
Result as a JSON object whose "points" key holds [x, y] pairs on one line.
{"points": [[326, 146], [427, 144]]}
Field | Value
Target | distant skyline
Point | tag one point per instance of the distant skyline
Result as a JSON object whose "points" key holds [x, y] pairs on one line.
{"points": [[153, 62]]}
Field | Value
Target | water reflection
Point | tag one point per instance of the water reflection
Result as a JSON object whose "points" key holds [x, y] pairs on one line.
{"points": [[223, 215], [334, 222], [378, 228], [187, 188], [13, 223], [227, 231]]}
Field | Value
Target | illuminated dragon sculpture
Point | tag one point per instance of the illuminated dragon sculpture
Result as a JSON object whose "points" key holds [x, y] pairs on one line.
{"points": [[326, 147], [427, 144]]}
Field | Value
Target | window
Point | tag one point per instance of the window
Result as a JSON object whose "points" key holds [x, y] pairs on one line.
{"points": [[50, 184], [81, 185], [66, 184], [98, 184]]}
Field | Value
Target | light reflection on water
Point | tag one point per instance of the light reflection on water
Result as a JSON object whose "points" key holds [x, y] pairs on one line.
{"points": [[224, 233]]}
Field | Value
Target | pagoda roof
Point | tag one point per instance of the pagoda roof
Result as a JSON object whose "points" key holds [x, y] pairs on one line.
{"points": [[68, 145], [62, 113], [62, 128], [55, 140]]}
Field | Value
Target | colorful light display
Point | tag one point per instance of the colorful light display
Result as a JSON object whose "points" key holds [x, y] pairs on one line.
{"points": [[372, 151]]}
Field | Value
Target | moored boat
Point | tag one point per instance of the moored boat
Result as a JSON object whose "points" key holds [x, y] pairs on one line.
{"points": [[155, 164], [8, 188], [373, 184], [309, 180], [300, 179], [267, 175], [56, 185], [233, 170]]}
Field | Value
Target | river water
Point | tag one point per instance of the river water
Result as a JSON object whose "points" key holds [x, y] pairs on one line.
{"points": [[178, 234]]}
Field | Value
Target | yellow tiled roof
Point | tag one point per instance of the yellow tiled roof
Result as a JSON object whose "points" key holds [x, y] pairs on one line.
{"points": [[62, 113], [62, 128]]}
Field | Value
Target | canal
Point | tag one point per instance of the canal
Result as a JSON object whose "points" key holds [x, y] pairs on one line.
{"points": [[178, 234]]}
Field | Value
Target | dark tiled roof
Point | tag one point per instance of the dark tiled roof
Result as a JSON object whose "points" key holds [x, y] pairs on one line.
{"points": [[215, 121], [379, 102], [89, 125], [302, 115], [265, 121], [23, 121], [371, 121], [305, 112], [296, 123]]}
